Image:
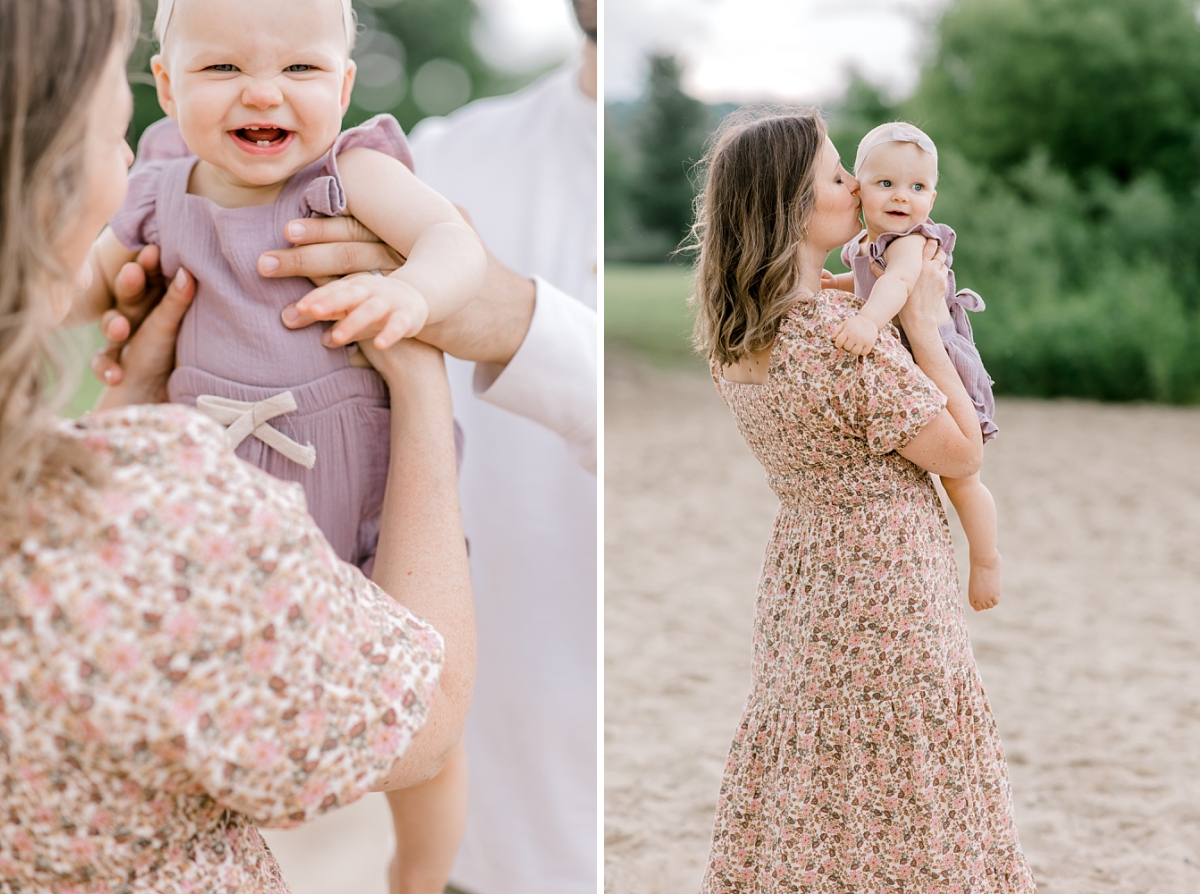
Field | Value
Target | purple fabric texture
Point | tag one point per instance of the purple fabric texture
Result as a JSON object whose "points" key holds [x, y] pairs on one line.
{"points": [[232, 343], [956, 334]]}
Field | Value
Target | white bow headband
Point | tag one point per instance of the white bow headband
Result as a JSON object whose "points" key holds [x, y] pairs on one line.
{"points": [[893, 133], [162, 19]]}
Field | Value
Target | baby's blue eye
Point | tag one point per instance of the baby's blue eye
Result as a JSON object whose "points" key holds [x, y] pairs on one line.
{"points": [[299, 69], [918, 186], [885, 183]]}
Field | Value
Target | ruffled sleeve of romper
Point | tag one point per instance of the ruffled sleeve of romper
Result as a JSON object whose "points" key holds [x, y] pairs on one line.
{"points": [[234, 643], [882, 398], [325, 196], [850, 250], [930, 230], [135, 224]]}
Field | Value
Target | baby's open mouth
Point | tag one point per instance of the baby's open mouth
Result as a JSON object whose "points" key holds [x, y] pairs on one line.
{"points": [[898, 214], [262, 136]]}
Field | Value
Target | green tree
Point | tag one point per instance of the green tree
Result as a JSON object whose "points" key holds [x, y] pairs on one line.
{"points": [[669, 131], [860, 108], [1101, 85]]}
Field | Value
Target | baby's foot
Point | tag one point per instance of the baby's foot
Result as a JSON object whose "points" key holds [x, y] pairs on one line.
{"points": [[983, 590]]}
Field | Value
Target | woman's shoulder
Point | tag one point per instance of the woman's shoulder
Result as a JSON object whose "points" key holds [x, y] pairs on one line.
{"points": [[325, 194], [814, 317]]}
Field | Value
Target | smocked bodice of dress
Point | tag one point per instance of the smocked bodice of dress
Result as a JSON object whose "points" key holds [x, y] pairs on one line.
{"points": [[826, 424]]}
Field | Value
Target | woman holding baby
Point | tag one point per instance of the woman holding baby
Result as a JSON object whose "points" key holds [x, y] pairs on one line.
{"points": [[867, 758]]}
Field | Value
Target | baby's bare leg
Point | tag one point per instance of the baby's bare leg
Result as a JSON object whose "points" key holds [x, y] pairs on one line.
{"points": [[977, 512], [429, 820]]}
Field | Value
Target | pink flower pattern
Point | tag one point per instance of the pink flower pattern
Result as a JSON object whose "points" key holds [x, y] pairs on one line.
{"points": [[173, 672], [867, 758]]}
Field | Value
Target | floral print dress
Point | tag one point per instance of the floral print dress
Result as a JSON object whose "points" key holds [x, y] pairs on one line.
{"points": [[867, 758], [182, 658]]}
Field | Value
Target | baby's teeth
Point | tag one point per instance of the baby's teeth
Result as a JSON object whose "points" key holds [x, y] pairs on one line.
{"points": [[264, 142]]}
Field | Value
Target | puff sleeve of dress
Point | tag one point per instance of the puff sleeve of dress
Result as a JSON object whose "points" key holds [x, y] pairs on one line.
{"points": [[941, 233], [326, 196], [882, 398], [135, 224], [221, 634]]}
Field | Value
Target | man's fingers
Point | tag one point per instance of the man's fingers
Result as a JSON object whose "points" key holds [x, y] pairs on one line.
{"points": [[313, 230], [329, 259], [294, 319]]}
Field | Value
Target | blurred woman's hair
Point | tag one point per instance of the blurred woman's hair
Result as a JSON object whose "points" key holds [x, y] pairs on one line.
{"points": [[52, 54], [751, 216]]}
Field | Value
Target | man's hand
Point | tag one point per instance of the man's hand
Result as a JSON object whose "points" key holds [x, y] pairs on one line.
{"points": [[148, 359], [328, 248], [488, 330]]}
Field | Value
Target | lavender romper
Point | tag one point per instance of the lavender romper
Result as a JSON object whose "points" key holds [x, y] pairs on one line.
{"points": [[956, 332], [233, 346]]}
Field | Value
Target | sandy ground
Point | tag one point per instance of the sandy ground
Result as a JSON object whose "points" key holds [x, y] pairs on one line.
{"points": [[1092, 661]]}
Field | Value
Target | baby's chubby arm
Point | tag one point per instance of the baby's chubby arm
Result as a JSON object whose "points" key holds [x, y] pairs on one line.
{"points": [[445, 261], [859, 333], [105, 261]]}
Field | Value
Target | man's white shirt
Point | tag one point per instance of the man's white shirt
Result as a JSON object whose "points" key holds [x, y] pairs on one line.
{"points": [[524, 167]]}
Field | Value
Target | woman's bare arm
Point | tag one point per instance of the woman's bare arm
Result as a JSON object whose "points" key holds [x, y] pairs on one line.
{"points": [[422, 559], [952, 443]]}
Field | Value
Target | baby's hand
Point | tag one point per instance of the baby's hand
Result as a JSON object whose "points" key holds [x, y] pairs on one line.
{"points": [[828, 280], [856, 335], [382, 308]]}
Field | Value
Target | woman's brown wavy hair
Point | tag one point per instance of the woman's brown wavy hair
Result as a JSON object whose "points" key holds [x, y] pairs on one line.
{"points": [[751, 216], [52, 54]]}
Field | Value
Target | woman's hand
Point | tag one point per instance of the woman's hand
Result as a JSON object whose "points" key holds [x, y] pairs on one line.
{"points": [[139, 286], [924, 305], [415, 374], [139, 368], [950, 445]]}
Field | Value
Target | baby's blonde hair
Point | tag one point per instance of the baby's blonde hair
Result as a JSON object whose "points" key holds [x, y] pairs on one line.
{"points": [[894, 132], [166, 7]]}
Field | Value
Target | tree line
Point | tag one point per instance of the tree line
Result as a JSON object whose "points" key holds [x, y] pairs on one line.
{"points": [[1069, 144]]}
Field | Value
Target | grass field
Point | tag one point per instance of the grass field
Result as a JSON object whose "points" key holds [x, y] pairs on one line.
{"points": [[645, 309]]}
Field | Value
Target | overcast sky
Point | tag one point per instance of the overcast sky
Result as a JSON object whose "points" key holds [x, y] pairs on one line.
{"points": [[797, 50]]}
